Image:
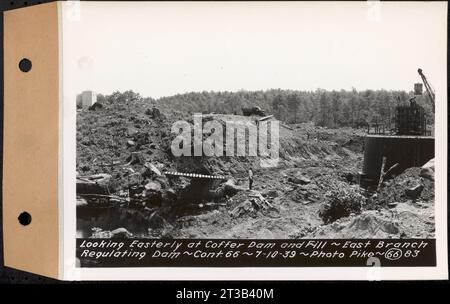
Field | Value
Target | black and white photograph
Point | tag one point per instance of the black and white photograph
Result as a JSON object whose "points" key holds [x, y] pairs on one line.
{"points": [[255, 129]]}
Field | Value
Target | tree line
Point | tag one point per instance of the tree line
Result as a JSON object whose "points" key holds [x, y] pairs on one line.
{"points": [[324, 108]]}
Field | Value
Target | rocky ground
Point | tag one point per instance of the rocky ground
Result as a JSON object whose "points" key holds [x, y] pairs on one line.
{"points": [[297, 199]]}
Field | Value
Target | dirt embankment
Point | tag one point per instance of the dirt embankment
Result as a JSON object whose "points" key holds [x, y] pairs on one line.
{"points": [[402, 208], [287, 201]]}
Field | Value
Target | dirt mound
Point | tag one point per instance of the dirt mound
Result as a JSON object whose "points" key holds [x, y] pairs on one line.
{"points": [[404, 207], [406, 220], [111, 137], [396, 190], [121, 138], [369, 224]]}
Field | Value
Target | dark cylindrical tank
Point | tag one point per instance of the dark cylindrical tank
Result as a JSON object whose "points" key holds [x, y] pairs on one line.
{"points": [[407, 151]]}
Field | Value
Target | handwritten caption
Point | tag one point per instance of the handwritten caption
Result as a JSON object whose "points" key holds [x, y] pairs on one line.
{"points": [[198, 253]]}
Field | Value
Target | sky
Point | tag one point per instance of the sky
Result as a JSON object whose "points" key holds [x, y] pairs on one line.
{"points": [[161, 49]]}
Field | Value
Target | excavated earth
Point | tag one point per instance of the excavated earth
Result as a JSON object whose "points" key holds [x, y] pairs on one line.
{"points": [[285, 202]]}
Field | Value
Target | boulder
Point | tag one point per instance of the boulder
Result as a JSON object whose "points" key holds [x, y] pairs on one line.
{"points": [[427, 170], [106, 234], [153, 186], [121, 233], [429, 164], [299, 180], [414, 192], [392, 204], [152, 168], [81, 202], [93, 184]]}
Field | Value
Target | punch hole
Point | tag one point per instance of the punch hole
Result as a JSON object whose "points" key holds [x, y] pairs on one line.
{"points": [[25, 65], [24, 218]]}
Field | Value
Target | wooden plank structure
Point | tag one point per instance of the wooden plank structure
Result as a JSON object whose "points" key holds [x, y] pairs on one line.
{"points": [[410, 120], [195, 175]]}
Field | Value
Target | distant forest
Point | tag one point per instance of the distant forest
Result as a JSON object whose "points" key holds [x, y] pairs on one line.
{"points": [[330, 109]]}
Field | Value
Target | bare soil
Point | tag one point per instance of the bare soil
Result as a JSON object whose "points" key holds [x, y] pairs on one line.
{"points": [[313, 161]]}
